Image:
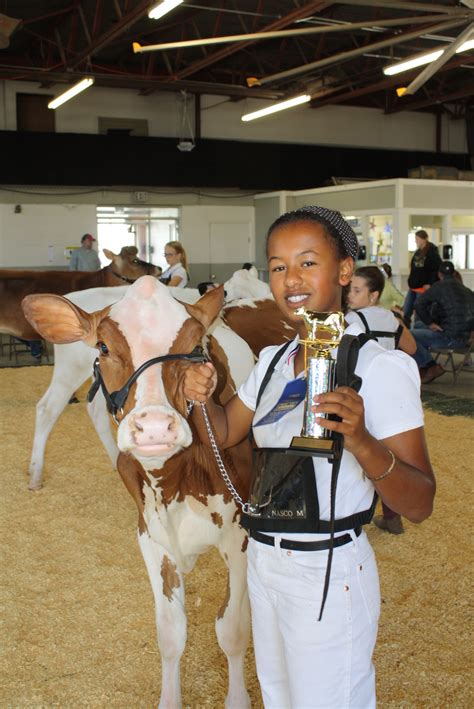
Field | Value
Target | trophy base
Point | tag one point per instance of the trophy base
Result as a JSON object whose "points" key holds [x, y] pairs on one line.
{"points": [[319, 447]]}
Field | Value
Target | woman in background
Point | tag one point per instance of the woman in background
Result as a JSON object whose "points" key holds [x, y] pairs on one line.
{"points": [[177, 272], [391, 297]]}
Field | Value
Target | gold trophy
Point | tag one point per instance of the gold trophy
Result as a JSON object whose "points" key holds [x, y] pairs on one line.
{"points": [[324, 333]]}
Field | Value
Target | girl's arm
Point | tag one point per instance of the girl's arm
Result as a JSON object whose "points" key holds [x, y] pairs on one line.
{"points": [[231, 423], [175, 281], [409, 487], [407, 342]]}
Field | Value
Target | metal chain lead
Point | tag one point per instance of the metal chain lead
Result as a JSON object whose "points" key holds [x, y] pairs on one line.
{"points": [[220, 463]]}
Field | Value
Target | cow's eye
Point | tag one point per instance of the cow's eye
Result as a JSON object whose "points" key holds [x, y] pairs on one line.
{"points": [[136, 260], [102, 347]]}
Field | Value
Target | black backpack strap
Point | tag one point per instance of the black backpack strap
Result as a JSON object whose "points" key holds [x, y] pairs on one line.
{"points": [[270, 370], [398, 335], [364, 321], [347, 356]]}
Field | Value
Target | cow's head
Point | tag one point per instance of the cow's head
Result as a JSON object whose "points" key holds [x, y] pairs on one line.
{"points": [[147, 323], [128, 267]]}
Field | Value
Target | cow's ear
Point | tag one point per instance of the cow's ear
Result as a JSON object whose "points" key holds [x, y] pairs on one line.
{"points": [[110, 254], [58, 320], [208, 307]]}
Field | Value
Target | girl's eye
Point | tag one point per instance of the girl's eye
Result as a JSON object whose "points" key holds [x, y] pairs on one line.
{"points": [[308, 263], [278, 269], [102, 347]]}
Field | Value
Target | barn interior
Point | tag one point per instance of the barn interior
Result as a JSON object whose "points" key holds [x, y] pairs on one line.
{"points": [[162, 145]]}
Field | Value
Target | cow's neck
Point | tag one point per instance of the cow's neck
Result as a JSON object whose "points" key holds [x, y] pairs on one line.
{"points": [[113, 278], [193, 472]]}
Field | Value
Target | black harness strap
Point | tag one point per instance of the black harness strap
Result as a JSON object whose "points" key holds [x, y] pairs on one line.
{"points": [[375, 334]]}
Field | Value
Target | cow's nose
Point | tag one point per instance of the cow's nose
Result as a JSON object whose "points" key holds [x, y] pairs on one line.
{"points": [[153, 428]]}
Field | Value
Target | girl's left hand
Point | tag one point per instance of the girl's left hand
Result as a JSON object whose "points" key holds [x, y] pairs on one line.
{"points": [[349, 406]]}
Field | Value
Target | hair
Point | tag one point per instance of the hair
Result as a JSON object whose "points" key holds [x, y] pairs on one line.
{"points": [[373, 277], [179, 248], [308, 214], [387, 268], [422, 234]]}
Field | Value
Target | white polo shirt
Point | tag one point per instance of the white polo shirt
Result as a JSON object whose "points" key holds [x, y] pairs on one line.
{"points": [[176, 270], [377, 319], [391, 393]]}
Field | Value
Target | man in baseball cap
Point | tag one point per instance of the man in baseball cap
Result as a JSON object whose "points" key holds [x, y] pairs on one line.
{"points": [[85, 258]]}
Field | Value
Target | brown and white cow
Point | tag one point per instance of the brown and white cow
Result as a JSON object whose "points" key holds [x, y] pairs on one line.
{"points": [[184, 507], [259, 322], [125, 267]]}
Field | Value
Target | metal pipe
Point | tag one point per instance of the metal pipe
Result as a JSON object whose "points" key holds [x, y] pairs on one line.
{"points": [[345, 56], [394, 22], [432, 68]]}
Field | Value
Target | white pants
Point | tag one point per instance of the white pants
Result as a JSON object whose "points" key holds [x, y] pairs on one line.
{"points": [[302, 662]]}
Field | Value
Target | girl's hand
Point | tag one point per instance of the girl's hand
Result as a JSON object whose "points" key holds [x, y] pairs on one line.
{"points": [[200, 381], [349, 406]]}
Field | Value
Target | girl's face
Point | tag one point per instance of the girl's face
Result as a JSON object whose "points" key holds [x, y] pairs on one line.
{"points": [[359, 294], [171, 256], [305, 270]]}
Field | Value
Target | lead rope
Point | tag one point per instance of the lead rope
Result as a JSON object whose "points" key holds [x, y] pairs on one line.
{"points": [[220, 463]]}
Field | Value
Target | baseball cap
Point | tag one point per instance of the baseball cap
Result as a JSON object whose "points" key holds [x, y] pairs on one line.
{"points": [[446, 268], [87, 236]]}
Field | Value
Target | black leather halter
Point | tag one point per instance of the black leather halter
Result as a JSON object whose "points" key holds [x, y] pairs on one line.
{"points": [[116, 400]]}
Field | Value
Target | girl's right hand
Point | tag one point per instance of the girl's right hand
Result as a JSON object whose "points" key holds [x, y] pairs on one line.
{"points": [[200, 381]]}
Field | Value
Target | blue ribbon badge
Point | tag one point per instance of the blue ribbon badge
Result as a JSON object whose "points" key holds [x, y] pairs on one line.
{"points": [[292, 395]]}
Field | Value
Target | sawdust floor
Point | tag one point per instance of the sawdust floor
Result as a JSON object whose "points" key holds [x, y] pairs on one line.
{"points": [[78, 623]]}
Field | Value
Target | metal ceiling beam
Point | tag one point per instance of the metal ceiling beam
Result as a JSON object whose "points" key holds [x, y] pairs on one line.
{"points": [[435, 66], [324, 29], [387, 83], [297, 14], [116, 30], [136, 82], [400, 5], [465, 92], [346, 56]]}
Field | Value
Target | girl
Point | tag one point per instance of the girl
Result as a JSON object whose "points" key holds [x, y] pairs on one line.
{"points": [[177, 272], [366, 287], [305, 658], [391, 296]]}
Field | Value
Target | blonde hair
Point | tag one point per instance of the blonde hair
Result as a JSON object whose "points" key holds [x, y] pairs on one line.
{"points": [[179, 248]]}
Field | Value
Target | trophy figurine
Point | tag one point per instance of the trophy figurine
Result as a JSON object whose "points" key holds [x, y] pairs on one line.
{"points": [[324, 333]]}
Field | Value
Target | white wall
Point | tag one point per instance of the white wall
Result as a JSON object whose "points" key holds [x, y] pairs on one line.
{"points": [[38, 236], [220, 119]]}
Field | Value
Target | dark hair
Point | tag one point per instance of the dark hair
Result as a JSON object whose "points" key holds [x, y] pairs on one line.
{"points": [[203, 286], [373, 277], [446, 268], [387, 268], [422, 234], [337, 229]]}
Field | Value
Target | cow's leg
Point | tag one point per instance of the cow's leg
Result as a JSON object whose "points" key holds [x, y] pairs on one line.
{"points": [[233, 620], [48, 410], [168, 590], [97, 410]]}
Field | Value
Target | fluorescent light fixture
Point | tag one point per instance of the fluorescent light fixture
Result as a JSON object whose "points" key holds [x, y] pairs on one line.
{"points": [[70, 93], [275, 107], [163, 8], [423, 59]]}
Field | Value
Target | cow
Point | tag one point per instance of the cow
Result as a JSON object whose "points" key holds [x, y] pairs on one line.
{"points": [[246, 284], [125, 267], [184, 506], [259, 322], [73, 363]]}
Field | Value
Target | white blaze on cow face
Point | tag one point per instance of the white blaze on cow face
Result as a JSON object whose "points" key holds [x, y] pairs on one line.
{"points": [[150, 319]]}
